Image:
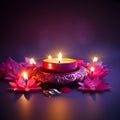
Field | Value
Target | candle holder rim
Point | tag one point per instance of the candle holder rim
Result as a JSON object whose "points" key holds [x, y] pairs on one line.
{"points": [[72, 60]]}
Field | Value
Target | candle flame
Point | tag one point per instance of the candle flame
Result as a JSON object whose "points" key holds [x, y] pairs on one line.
{"points": [[49, 57], [92, 69], [60, 56], [32, 61], [95, 59], [25, 75]]}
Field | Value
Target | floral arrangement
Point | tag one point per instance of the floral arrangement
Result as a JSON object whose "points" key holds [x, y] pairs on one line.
{"points": [[29, 76]]}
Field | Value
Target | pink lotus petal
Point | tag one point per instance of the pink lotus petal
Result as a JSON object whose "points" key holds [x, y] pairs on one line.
{"points": [[38, 84], [11, 75], [80, 83], [13, 89], [12, 84], [103, 86], [36, 89], [27, 89], [95, 84], [10, 69], [27, 60], [9, 78], [83, 89], [31, 82], [21, 83]]}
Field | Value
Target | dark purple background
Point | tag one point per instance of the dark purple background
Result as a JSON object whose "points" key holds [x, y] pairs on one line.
{"points": [[80, 30]]}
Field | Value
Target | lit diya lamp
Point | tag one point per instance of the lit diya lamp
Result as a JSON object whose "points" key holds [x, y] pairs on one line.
{"points": [[97, 69], [59, 64]]}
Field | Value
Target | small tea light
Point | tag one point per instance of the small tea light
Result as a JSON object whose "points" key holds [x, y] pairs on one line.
{"points": [[92, 69], [95, 59], [25, 77], [59, 64], [32, 61]]}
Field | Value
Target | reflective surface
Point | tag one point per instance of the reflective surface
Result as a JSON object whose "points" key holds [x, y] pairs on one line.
{"points": [[79, 30]]}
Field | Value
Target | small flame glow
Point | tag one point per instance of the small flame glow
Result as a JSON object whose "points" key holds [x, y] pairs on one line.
{"points": [[49, 57], [32, 61], [25, 75], [60, 57], [95, 59], [92, 69]]}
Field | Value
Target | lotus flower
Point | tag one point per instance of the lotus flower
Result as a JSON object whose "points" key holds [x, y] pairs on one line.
{"points": [[100, 70], [20, 85], [95, 84], [10, 70]]}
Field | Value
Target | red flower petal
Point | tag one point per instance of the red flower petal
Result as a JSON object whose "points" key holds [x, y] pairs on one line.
{"points": [[36, 89], [31, 82], [83, 88], [13, 84], [65, 90]]}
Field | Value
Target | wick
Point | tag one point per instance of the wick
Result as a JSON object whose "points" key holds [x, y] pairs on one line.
{"points": [[25, 81], [59, 61], [91, 72]]}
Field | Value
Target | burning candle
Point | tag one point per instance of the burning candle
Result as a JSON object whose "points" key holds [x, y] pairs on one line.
{"points": [[25, 77], [60, 57], [95, 59], [59, 64], [96, 68], [32, 61], [92, 69]]}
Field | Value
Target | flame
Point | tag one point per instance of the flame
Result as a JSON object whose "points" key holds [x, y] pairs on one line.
{"points": [[95, 59], [32, 61], [60, 56], [49, 57], [25, 75], [92, 69]]}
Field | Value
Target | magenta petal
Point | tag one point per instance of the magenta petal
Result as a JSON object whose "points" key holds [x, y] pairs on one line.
{"points": [[27, 89], [13, 84], [38, 84], [83, 88], [14, 89], [31, 82], [80, 83], [103, 73], [9, 78], [21, 83], [11, 74], [36, 89], [103, 86], [27, 59]]}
